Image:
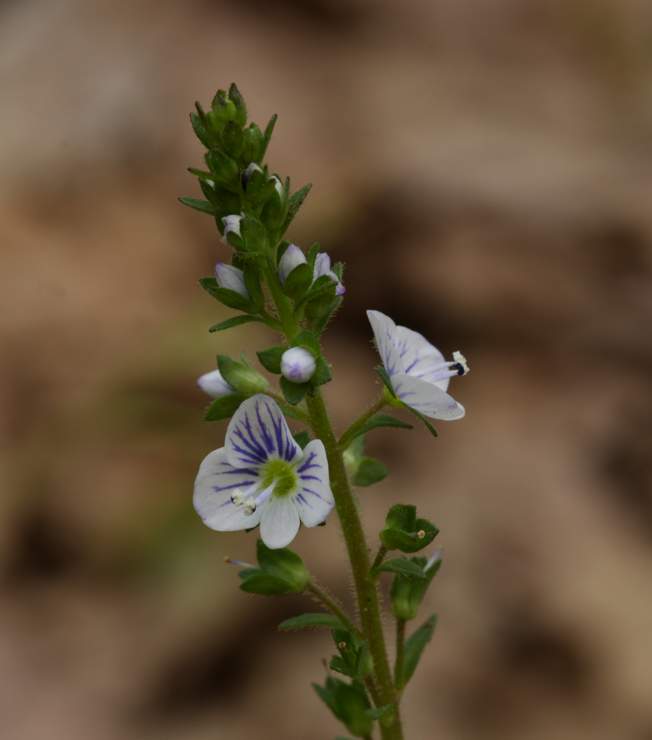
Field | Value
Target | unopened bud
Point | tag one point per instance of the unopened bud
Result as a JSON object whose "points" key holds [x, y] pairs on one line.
{"points": [[298, 365]]}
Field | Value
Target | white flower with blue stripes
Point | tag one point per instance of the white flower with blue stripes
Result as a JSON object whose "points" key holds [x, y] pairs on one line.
{"points": [[418, 372], [262, 477]]}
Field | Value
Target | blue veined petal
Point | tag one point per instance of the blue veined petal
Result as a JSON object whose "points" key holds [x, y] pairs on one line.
{"points": [[419, 358], [279, 522], [216, 483], [314, 498], [426, 398], [384, 330], [258, 432]]}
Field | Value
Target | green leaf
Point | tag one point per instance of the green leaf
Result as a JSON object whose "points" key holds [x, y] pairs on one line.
{"points": [[298, 281], [403, 531], [369, 471], [308, 340], [283, 563], [240, 376], [234, 321], [301, 438], [320, 322], [228, 297], [270, 358], [296, 201], [382, 374], [254, 235], [322, 372], [224, 407], [294, 392], [269, 130], [198, 205], [414, 647], [252, 283], [259, 582], [400, 565], [306, 621]]}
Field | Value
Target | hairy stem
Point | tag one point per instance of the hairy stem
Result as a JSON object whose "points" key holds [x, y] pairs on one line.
{"points": [[365, 585], [400, 652], [351, 433], [326, 600], [380, 556]]}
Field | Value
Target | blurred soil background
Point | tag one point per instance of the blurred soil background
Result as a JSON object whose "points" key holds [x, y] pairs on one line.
{"points": [[485, 170]]}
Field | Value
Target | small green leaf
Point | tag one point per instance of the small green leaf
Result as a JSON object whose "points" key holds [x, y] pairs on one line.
{"points": [[254, 235], [400, 565], [294, 392], [224, 407], [414, 647], [423, 419], [369, 471], [269, 130], [298, 281], [301, 438], [203, 206], [270, 358], [234, 321], [228, 297], [306, 621], [296, 201], [308, 340], [322, 372], [240, 376], [252, 283]]}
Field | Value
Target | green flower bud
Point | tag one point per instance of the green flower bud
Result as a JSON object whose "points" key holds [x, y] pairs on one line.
{"points": [[241, 377], [253, 144], [407, 592]]}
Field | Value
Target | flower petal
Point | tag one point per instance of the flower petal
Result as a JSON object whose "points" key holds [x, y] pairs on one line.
{"points": [[258, 432], [419, 358], [214, 384], [426, 398], [384, 330], [314, 499], [216, 482], [279, 522], [292, 258]]}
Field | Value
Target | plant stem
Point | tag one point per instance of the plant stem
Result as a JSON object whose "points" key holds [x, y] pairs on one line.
{"points": [[380, 556], [329, 602], [365, 585], [350, 434], [400, 653], [293, 411]]}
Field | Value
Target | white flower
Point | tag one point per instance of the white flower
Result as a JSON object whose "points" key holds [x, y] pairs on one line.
{"points": [[248, 172], [418, 372], [292, 258], [298, 365], [231, 225], [231, 278], [262, 476], [214, 384], [323, 267]]}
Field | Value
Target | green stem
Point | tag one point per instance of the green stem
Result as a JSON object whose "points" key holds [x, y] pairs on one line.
{"points": [[293, 411], [351, 433], [365, 585], [380, 556], [400, 653], [324, 598]]}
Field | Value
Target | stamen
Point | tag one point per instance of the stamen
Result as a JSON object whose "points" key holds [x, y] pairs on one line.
{"points": [[460, 363], [237, 563]]}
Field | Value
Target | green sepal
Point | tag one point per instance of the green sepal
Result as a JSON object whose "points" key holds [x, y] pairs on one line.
{"points": [[269, 130], [254, 235], [295, 203], [320, 323], [423, 419], [404, 532], [270, 358], [369, 471], [228, 297], [234, 321], [322, 372], [349, 703], [407, 592], [253, 144], [354, 659], [307, 621], [387, 382], [240, 376], [241, 108], [252, 283], [224, 169], [301, 438], [223, 407], [232, 139], [198, 122], [203, 206], [298, 282], [294, 392], [280, 572], [414, 647], [404, 566]]}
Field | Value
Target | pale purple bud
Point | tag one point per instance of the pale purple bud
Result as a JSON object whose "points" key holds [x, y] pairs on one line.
{"points": [[214, 384], [231, 278], [323, 267], [231, 225], [298, 365], [292, 258]]}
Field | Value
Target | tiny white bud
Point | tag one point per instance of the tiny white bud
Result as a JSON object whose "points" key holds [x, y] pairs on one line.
{"points": [[231, 225], [248, 172], [292, 258], [214, 384], [231, 278], [298, 365], [278, 186], [323, 267]]}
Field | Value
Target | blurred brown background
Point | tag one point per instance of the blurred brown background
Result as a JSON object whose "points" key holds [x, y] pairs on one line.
{"points": [[484, 168]]}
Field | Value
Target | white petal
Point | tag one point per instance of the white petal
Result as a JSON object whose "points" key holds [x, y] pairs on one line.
{"points": [[214, 384], [279, 522], [258, 432], [292, 257], [322, 265], [384, 330], [298, 365], [216, 482], [426, 398], [419, 358], [231, 278], [314, 500]]}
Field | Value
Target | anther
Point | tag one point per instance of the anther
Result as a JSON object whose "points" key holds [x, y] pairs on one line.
{"points": [[421, 534], [341, 645]]}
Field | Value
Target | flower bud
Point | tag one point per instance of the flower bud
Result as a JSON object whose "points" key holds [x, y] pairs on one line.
{"points": [[298, 365], [292, 257], [248, 172], [241, 377], [232, 233], [231, 278], [214, 384], [407, 592], [323, 267]]}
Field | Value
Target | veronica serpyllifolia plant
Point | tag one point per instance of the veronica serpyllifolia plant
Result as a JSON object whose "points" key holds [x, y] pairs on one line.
{"points": [[267, 478]]}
